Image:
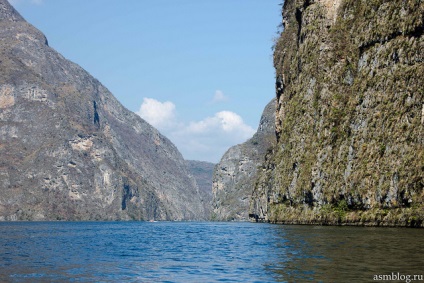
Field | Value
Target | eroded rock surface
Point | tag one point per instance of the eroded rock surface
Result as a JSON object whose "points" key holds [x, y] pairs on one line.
{"points": [[202, 172], [235, 175], [69, 150], [349, 117]]}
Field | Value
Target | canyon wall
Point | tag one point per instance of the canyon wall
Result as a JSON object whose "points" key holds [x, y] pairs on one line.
{"points": [[238, 169], [349, 116], [70, 151]]}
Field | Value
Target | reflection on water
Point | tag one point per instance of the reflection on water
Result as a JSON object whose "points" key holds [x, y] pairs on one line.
{"points": [[204, 252], [346, 254]]}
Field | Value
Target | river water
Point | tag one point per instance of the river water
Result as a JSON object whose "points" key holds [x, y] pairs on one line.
{"points": [[205, 252]]}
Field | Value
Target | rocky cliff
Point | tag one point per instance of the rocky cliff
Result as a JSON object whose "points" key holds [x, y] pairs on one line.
{"points": [[350, 115], [202, 172], [69, 150], [235, 174]]}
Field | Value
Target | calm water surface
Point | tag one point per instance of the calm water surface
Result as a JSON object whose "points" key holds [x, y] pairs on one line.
{"points": [[204, 252]]}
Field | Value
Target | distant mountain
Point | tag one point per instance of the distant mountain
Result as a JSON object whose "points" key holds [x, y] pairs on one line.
{"points": [[69, 150], [235, 175], [202, 172]]}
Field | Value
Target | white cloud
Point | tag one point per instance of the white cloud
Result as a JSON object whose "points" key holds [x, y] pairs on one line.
{"points": [[225, 121], [219, 96], [209, 138], [159, 114], [206, 140]]}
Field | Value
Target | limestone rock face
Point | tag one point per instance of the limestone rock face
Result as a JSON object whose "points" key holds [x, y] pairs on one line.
{"points": [[202, 172], [349, 116], [69, 150], [234, 177]]}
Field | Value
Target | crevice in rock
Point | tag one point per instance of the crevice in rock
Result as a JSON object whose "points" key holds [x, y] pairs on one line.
{"points": [[96, 119], [417, 32], [125, 195], [279, 86], [299, 23], [298, 14], [309, 198]]}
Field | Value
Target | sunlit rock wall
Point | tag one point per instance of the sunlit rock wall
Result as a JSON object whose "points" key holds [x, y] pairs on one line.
{"points": [[349, 118], [70, 151], [235, 175]]}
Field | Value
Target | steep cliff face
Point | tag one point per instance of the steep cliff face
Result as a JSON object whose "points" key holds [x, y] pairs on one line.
{"points": [[202, 172], [235, 174], [69, 150], [350, 115]]}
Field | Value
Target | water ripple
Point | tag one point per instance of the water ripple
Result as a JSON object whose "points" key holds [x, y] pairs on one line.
{"points": [[203, 252]]}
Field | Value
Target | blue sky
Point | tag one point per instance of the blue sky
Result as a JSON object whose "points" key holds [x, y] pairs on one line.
{"points": [[198, 70]]}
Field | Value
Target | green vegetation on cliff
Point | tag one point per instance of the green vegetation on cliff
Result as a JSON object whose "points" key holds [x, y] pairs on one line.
{"points": [[350, 115]]}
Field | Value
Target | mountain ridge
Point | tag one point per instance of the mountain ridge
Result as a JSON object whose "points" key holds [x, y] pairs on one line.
{"points": [[70, 150]]}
